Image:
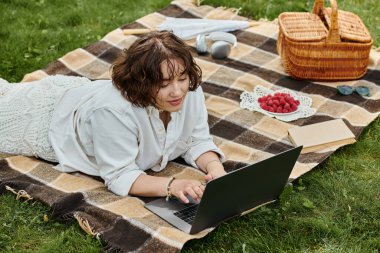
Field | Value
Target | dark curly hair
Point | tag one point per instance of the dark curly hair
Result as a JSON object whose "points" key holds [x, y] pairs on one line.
{"points": [[137, 71]]}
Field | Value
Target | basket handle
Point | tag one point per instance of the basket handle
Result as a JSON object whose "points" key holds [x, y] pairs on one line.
{"points": [[333, 36]]}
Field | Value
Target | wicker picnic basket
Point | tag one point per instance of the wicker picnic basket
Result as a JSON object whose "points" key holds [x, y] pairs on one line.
{"points": [[326, 44]]}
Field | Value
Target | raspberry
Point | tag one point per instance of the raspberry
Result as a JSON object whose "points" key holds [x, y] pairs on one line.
{"points": [[278, 102]]}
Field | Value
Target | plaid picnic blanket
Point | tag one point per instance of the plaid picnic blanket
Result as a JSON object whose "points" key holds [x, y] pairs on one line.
{"points": [[244, 136]]}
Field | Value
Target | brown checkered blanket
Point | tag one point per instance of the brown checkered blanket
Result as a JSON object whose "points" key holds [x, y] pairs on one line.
{"points": [[244, 136]]}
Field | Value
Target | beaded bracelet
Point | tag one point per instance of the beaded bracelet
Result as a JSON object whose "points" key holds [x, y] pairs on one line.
{"points": [[168, 192]]}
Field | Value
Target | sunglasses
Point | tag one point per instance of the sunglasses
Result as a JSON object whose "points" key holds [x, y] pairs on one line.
{"points": [[348, 90]]}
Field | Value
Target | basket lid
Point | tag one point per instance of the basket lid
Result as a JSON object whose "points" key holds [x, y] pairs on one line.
{"points": [[351, 27], [302, 26]]}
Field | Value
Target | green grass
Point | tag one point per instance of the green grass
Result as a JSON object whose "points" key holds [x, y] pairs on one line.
{"points": [[24, 229], [334, 208], [34, 33]]}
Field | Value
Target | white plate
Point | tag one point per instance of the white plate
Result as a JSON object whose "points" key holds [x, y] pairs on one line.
{"points": [[281, 114]]}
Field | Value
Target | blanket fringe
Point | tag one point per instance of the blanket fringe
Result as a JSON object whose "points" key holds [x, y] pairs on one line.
{"points": [[233, 10], [20, 194], [85, 225], [195, 2], [198, 3]]}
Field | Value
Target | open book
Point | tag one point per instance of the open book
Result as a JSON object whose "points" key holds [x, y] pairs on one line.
{"points": [[319, 136]]}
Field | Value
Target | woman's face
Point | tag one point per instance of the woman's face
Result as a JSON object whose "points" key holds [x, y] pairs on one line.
{"points": [[172, 93]]}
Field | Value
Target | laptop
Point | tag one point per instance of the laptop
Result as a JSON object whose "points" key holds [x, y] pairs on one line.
{"points": [[231, 195]]}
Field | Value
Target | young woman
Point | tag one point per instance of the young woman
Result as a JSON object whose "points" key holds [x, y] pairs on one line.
{"points": [[152, 111]]}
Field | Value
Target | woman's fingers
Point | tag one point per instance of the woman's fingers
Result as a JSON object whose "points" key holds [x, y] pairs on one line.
{"points": [[198, 190], [214, 174], [182, 197], [192, 192], [191, 188], [208, 177]]}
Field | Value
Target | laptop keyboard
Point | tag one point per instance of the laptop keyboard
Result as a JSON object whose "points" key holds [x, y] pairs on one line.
{"points": [[187, 214]]}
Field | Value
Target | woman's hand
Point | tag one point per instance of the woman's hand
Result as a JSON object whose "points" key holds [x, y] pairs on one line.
{"points": [[214, 170], [182, 187], [210, 163]]}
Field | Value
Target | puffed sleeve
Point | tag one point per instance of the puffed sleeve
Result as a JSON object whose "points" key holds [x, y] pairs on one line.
{"points": [[115, 149], [201, 140]]}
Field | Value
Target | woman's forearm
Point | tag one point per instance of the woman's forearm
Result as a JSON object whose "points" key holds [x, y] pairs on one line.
{"points": [[209, 161], [149, 186]]}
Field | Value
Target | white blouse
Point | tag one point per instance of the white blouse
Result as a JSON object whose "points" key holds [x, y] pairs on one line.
{"points": [[98, 132]]}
